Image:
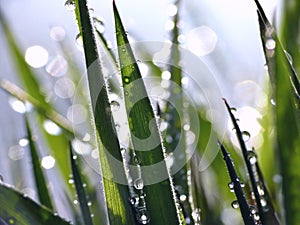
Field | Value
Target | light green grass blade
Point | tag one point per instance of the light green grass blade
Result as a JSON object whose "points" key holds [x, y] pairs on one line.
{"points": [[40, 180], [80, 190], [117, 195], [159, 196], [17, 209]]}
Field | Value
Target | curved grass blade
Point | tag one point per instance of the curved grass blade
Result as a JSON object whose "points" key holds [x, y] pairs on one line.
{"points": [[17, 209], [140, 114], [263, 200], [40, 180], [80, 190], [244, 207], [116, 194]]}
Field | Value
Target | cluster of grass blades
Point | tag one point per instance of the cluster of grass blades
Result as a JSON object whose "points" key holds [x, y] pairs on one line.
{"points": [[130, 189]]}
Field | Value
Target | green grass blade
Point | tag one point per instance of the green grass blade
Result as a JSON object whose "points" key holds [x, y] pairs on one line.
{"points": [[160, 194], [15, 208], [263, 200], [40, 180], [116, 194], [288, 141], [244, 207], [80, 190]]}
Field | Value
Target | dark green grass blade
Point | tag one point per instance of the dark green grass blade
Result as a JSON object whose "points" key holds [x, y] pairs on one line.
{"points": [[40, 180], [159, 196], [80, 190], [116, 194], [17, 209], [244, 207], [263, 200]]}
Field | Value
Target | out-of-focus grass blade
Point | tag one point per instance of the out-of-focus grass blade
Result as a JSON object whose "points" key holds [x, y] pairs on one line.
{"points": [[40, 180], [290, 29], [24, 96], [244, 207], [263, 200], [288, 141], [116, 194], [15, 208], [80, 190], [140, 114]]}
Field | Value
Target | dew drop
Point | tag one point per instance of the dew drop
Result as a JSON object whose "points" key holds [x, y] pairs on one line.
{"points": [[123, 150], [115, 106], [270, 44], [256, 216], [36, 56], [57, 33], [84, 185], [70, 5], [134, 200], [123, 49], [242, 185], [89, 203], [246, 135], [273, 102], [143, 217], [182, 198], [263, 202], [252, 157], [260, 189], [11, 220], [92, 215], [126, 80], [138, 184], [252, 209], [231, 186], [235, 204], [136, 160], [75, 157], [75, 202]]}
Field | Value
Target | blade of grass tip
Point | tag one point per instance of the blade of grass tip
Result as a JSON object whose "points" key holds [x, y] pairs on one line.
{"points": [[15, 208], [80, 190], [246, 156], [244, 207], [288, 141], [40, 180], [116, 194], [273, 38], [160, 194]]}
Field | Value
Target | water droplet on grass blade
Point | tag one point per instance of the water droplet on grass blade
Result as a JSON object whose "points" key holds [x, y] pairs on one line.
{"points": [[17, 105], [235, 204], [138, 184], [252, 157], [270, 44], [115, 106], [126, 80], [36, 56], [99, 24], [246, 135], [143, 217], [52, 128], [231, 186], [79, 41], [48, 162], [70, 5]]}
